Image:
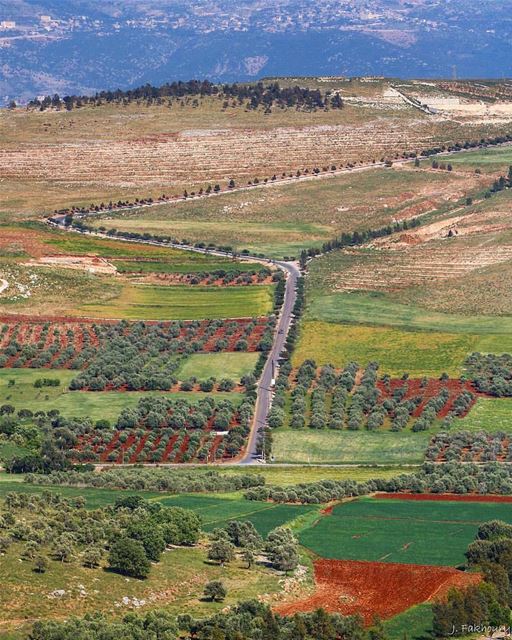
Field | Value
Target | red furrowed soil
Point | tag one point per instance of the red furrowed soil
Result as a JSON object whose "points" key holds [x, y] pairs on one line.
{"points": [[428, 391], [444, 497], [376, 588]]}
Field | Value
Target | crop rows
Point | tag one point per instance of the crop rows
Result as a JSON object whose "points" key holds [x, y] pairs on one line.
{"points": [[417, 266], [126, 356], [163, 430], [355, 399], [190, 158], [71, 344], [470, 447]]}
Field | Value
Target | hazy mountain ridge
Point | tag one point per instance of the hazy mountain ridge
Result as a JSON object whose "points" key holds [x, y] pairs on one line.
{"points": [[82, 46]]}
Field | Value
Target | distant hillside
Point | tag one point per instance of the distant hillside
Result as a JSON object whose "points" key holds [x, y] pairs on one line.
{"points": [[81, 46]]}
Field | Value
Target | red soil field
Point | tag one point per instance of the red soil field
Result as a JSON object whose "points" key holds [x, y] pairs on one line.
{"points": [[376, 588], [444, 497], [432, 389]]}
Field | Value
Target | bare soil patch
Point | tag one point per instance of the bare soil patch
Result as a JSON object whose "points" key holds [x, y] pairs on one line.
{"points": [[376, 588], [91, 264]]}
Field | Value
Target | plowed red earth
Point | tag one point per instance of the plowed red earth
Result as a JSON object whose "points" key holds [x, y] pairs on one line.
{"points": [[447, 497], [376, 588]]}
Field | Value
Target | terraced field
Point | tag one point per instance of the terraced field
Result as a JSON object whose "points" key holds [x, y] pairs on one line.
{"points": [[133, 153]]}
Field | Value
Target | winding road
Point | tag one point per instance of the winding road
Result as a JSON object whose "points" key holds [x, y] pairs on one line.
{"points": [[265, 391]]}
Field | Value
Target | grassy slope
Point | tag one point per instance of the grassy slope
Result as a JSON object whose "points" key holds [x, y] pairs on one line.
{"points": [[111, 122], [175, 584], [431, 533], [283, 219]]}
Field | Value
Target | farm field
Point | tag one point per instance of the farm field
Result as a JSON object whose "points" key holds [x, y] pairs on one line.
{"points": [[418, 301], [147, 302], [175, 264], [310, 446], [378, 310], [51, 272], [410, 532], [94, 498], [485, 159], [376, 589], [218, 365], [216, 511], [102, 404], [284, 218], [284, 475], [420, 353], [94, 404], [488, 414], [416, 622]]}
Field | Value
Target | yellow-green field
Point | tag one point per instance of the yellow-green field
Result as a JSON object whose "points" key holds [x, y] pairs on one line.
{"points": [[420, 353], [148, 302], [488, 414]]}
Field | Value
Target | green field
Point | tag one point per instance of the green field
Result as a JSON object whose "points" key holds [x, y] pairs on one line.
{"points": [[414, 623], [177, 264], [488, 414], [490, 159], [378, 310], [313, 446], [23, 394], [77, 244], [218, 365], [216, 511], [152, 302], [95, 498], [411, 532]]}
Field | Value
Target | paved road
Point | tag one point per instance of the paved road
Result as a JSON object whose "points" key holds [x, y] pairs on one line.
{"points": [[264, 398]]}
